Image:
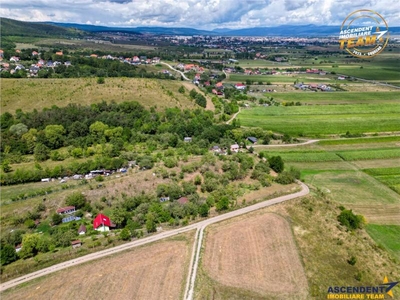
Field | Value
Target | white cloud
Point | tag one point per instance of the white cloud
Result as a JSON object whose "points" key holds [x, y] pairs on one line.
{"points": [[202, 14]]}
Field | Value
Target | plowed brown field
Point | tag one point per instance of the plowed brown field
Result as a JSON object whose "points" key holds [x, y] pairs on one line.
{"points": [[257, 254], [151, 272]]}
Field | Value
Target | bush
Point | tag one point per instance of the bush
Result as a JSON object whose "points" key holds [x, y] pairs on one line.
{"points": [[101, 80], [352, 261], [276, 163], [351, 221]]}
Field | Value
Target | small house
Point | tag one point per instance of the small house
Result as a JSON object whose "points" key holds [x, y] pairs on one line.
{"points": [[101, 223], [235, 148], [60, 53], [182, 200], [187, 139], [164, 199], [82, 230], [76, 244], [252, 139], [240, 86], [66, 210]]}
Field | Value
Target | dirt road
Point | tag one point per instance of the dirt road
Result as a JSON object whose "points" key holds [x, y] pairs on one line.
{"points": [[196, 226]]}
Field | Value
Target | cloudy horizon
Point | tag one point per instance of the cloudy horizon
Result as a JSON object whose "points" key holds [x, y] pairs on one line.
{"points": [[199, 14]]}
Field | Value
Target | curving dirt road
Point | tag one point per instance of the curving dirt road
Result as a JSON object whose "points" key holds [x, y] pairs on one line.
{"points": [[180, 72], [195, 255]]}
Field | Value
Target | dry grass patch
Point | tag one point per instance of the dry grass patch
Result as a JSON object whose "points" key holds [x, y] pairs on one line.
{"points": [[36, 93], [156, 271], [258, 254]]}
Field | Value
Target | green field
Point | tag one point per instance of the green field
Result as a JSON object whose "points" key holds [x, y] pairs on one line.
{"points": [[351, 155], [388, 176], [290, 79], [324, 120], [352, 141], [351, 187], [386, 236], [339, 97]]}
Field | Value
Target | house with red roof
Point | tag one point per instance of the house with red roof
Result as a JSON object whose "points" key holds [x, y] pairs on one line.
{"points": [[101, 223], [240, 86], [66, 210], [182, 200]]}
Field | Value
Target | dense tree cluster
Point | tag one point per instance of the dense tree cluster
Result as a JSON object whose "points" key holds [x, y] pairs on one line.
{"points": [[102, 131]]}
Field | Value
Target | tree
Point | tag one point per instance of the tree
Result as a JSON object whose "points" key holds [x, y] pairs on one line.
{"points": [[181, 89], [201, 100], [76, 199], [30, 139], [54, 136], [101, 80], [125, 234], [97, 129], [41, 152], [5, 165], [222, 204], [204, 210], [19, 129], [193, 93], [276, 163], [29, 245], [56, 219], [7, 254], [150, 223]]}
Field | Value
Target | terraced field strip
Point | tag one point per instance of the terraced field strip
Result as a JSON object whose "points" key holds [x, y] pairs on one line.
{"points": [[339, 97], [320, 120], [351, 155], [388, 176], [265, 256]]}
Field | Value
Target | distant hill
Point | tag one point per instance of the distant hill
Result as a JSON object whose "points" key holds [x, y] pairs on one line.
{"points": [[47, 29], [283, 30], [9, 27]]}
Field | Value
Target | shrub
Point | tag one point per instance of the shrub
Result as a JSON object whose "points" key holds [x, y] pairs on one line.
{"points": [[352, 261], [351, 221], [276, 163]]}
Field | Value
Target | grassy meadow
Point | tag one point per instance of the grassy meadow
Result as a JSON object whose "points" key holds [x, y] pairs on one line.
{"points": [[386, 236], [319, 120], [29, 94], [339, 97]]}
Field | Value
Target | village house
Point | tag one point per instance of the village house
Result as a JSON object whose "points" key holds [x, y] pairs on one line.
{"points": [[187, 139], [240, 86], [59, 53], [82, 230], [235, 148], [252, 139], [101, 223], [76, 244], [66, 210], [182, 200]]}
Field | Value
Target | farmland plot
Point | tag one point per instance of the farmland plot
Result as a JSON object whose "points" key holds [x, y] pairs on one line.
{"points": [[265, 256], [150, 272]]}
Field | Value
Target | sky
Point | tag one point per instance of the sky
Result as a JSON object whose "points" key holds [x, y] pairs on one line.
{"points": [[200, 14]]}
